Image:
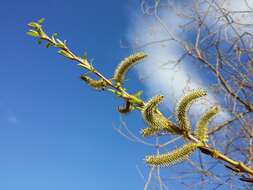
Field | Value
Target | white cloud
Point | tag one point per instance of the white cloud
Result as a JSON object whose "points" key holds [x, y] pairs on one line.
{"points": [[160, 72]]}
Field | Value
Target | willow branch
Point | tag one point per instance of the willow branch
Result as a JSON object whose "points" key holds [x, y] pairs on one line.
{"points": [[237, 165], [138, 102]]}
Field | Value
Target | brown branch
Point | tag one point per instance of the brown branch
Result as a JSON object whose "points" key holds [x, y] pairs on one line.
{"points": [[226, 123], [200, 57], [239, 166]]}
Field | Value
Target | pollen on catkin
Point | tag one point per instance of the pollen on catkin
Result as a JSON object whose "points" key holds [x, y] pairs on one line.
{"points": [[183, 105], [155, 120], [149, 131], [96, 84], [126, 64], [150, 109], [201, 131], [172, 157]]}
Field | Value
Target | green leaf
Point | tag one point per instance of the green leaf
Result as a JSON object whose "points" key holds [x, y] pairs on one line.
{"points": [[59, 44], [41, 20], [59, 41], [33, 33], [85, 55], [40, 31], [65, 53], [34, 25], [138, 94], [54, 34], [48, 45], [52, 37]]}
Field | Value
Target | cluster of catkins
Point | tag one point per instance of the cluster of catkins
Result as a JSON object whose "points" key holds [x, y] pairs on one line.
{"points": [[157, 123]]}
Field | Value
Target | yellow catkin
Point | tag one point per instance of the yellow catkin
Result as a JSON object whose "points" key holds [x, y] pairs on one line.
{"points": [[201, 131], [149, 110], [149, 131], [183, 106], [96, 84], [155, 120], [126, 64], [168, 128], [172, 157]]}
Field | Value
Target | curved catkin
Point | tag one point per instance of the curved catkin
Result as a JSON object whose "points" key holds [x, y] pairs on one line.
{"points": [[126, 64], [172, 157], [167, 128], [149, 131], [183, 106], [96, 84], [149, 110], [155, 120], [201, 131]]}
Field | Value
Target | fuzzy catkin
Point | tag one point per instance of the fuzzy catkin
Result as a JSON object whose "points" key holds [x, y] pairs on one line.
{"points": [[149, 131], [126, 64], [172, 157], [155, 120], [96, 84], [183, 105], [201, 131], [149, 111]]}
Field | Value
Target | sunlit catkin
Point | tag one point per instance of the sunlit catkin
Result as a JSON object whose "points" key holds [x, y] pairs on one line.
{"points": [[183, 106], [149, 131], [96, 84], [172, 157], [201, 131], [126, 64], [155, 120]]}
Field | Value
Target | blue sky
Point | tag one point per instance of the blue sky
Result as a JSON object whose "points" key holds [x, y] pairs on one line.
{"points": [[55, 132]]}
